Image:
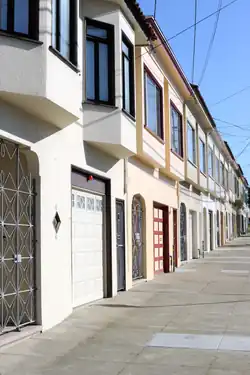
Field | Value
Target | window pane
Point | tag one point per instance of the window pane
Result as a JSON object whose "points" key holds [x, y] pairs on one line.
{"points": [[152, 116], [95, 31], [191, 144], [21, 16], [103, 73], [125, 49], [64, 28], [202, 157], [3, 14], [126, 84], [54, 16], [176, 131], [90, 70]]}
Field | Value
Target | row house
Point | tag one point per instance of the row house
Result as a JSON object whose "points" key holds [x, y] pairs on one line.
{"points": [[111, 167]]}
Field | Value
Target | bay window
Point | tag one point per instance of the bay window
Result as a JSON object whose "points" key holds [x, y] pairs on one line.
{"points": [[153, 104], [99, 62], [20, 17], [128, 76], [64, 29], [176, 131]]}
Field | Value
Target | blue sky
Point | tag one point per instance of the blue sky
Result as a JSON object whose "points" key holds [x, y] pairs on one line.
{"points": [[228, 70]]}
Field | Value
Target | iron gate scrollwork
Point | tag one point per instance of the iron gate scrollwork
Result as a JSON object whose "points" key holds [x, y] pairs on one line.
{"points": [[137, 238], [17, 240], [183, 232]]}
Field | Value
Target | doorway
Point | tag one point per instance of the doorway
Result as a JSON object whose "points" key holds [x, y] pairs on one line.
{"points": [[183, 232], [161, 238], [175, 238], [222, 228], [210, 215], [120, 245]]}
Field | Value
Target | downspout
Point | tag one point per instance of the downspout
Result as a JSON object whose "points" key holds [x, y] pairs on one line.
{"points": [[125, 178]]}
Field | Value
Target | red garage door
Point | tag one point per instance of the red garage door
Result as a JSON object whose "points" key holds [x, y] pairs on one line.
{"points": [[158, 240]]}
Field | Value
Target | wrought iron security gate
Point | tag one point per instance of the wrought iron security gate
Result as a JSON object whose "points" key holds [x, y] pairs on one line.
{"points": [[17, 240], [183, 232], [137, 238]]}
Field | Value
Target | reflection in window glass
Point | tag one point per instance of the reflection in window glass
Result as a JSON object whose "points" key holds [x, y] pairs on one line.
{"points": [[191, 144], [95, 31], [153, 106], [176, 131], [103, 72], [90, 67], [3, 14], [127, 85], [21, 16], [202, 157], [64, 29]]}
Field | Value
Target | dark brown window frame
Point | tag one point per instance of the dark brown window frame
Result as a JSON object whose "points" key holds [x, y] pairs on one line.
{"points": [[161, 130], [131, 76], [33, 21], [172, 105], [111, 61], [72, 32]]}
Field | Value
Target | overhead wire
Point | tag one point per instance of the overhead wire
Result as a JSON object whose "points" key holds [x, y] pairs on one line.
{"points": [[155, 6], [231, 96], [210, 46], [194, 43], [232, 124], [189, 27]]}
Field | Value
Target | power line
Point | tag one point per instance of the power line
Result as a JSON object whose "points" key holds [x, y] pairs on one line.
{"points": [[194, 45], [244, 148], [190, 27], [210, 46], [231, 123], [231, 96], [155, 9]]}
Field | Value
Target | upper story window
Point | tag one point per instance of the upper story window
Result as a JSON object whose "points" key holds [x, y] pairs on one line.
{"points": [[222, 174], [217, 170], [153, 104], [202, 157], [191, 143], [64, 28], [210, 162], [100, 62], [128, 76], [226, 179], [20, 17], [176, 131]]}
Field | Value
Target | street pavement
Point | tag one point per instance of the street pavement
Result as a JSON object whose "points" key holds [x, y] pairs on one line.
{"points": [[195, 321]]}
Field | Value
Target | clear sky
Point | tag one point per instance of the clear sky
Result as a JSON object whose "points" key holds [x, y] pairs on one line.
{"points": [[228, 69]]}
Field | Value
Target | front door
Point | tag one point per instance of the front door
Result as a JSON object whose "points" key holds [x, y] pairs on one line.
{"points": [[175, 238], [183, 232], [158, 240], [17, 240], [120, 245], [211, 229]]}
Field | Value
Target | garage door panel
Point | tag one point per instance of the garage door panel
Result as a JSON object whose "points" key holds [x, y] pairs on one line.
{"points": [[87, 247]]}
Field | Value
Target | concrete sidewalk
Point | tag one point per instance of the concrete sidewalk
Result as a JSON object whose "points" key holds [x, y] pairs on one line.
{"points": [[155, 328]]}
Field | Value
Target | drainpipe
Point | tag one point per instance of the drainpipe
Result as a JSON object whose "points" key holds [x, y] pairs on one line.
{"points": [[125, 190]]}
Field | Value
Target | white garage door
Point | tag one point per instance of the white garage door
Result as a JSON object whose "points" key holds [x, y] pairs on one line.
{"points": [[87, 247]]}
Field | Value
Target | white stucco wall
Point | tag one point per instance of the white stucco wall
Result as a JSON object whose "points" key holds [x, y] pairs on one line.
{"points": [[57, 150]]}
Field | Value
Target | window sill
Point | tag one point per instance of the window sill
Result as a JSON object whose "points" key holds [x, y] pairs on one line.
{"points": [[128, 114], [20, 37], [63, 59], [99, 104], [193, 164], [155, 135], [177, 155]]}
